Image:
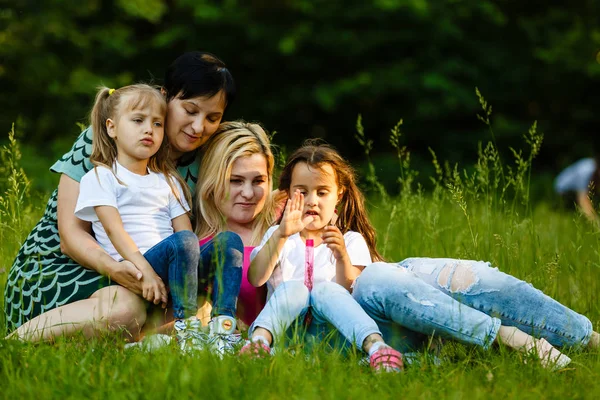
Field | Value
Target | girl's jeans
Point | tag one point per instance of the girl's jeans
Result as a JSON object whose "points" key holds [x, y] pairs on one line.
{"points": [[463, 300], [221, 262], [175, 261], [331, 305]]}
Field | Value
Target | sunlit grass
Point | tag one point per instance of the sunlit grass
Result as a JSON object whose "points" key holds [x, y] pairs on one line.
{"points": [[483, 215]]}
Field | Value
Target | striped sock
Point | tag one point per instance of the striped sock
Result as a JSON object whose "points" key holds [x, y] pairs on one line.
{"points": [[260, 338]]}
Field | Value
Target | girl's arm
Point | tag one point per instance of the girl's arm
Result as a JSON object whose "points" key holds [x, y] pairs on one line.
{"points": [[345, 272], [152, 286], [77, 242], [179, 207], [182, 223], [265, 261]]}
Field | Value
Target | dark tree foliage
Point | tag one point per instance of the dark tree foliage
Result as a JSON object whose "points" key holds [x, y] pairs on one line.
{"points": [[307, 68]]}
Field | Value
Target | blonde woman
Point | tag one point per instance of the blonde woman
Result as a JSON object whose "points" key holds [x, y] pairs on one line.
{"points": [[234, 197]]}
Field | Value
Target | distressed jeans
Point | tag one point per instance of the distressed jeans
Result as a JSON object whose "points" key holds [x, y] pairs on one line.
{"points": [[331, 305], [220, 267], [175, 261], [462, 300]]}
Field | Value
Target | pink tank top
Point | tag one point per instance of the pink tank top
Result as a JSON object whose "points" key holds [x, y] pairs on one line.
{"points": [[251, 300]]}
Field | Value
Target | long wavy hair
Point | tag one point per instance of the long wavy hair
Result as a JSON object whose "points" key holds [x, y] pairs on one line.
{"points": [[352, 214], [111, 106], [232, 140]]}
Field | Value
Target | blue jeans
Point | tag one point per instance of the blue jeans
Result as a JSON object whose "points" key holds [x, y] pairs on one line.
{"points": [[175, 260], [221, 261], [331, 305], [463, 300]]}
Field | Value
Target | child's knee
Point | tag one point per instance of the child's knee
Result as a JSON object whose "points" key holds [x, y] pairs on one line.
{"points": [[187, 238], [230, 240], [327, 294], [188, 241], [229, 249], [293, 292], [323, 290]]}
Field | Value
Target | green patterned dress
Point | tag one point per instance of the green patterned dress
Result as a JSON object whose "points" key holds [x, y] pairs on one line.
{"points": [[42, 278]]}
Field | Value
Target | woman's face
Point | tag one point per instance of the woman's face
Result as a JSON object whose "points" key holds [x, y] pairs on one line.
{"points": [[191, 122], [248, 188]]}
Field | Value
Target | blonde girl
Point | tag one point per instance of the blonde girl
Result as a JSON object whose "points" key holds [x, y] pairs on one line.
{"points": [[135, 199]]}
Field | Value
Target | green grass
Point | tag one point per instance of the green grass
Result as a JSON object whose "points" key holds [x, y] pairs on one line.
{"points": [[483, 214]]}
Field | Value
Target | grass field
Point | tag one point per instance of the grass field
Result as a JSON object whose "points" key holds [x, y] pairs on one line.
{"points": [[485, 214]]}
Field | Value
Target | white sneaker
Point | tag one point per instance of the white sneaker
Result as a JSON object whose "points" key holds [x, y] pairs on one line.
{"points": [[222, 339], [151, 342], [190, 335]]}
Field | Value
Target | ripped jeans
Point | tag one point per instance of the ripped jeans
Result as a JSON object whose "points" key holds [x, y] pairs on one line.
{"points": [[462, 300]]}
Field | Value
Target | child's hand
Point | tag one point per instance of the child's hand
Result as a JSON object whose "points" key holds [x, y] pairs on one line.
{"points": [[292, 221], [334, 240], [153, 289]]}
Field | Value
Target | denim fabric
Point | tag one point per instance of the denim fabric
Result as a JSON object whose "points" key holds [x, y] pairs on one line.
{"points": [[463, 300], [221, 262], [332, 307], [515, 302], [175, 260]]}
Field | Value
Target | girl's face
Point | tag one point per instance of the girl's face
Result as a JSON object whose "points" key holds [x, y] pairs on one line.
{"points": [[137, 133], [321, 193], [248, 187], [191, 122]]}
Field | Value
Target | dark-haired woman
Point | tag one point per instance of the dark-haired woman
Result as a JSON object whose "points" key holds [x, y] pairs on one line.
{"points": [[62, 281]]}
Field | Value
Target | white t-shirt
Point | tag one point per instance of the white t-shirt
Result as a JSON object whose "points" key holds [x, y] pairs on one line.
{"points": [[290, 266], [145, 202], [576, 177]]}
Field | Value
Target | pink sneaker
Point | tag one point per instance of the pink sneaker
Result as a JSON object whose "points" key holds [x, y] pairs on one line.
{"points": [[387, 359], [255, 350]]}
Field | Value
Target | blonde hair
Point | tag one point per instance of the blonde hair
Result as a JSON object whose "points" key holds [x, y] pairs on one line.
{"points": [[352, 214], [232, 140], [111, 104]]}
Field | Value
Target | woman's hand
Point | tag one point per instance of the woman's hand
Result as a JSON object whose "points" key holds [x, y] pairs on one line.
{"points": [[127, 275], [292, 221], [334, 240]]}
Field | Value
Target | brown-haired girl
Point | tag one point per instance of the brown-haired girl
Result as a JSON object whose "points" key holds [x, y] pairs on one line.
{"points": [[318, 181]]}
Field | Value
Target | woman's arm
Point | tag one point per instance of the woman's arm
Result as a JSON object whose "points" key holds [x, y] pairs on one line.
{"points": [[77, 242]]}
